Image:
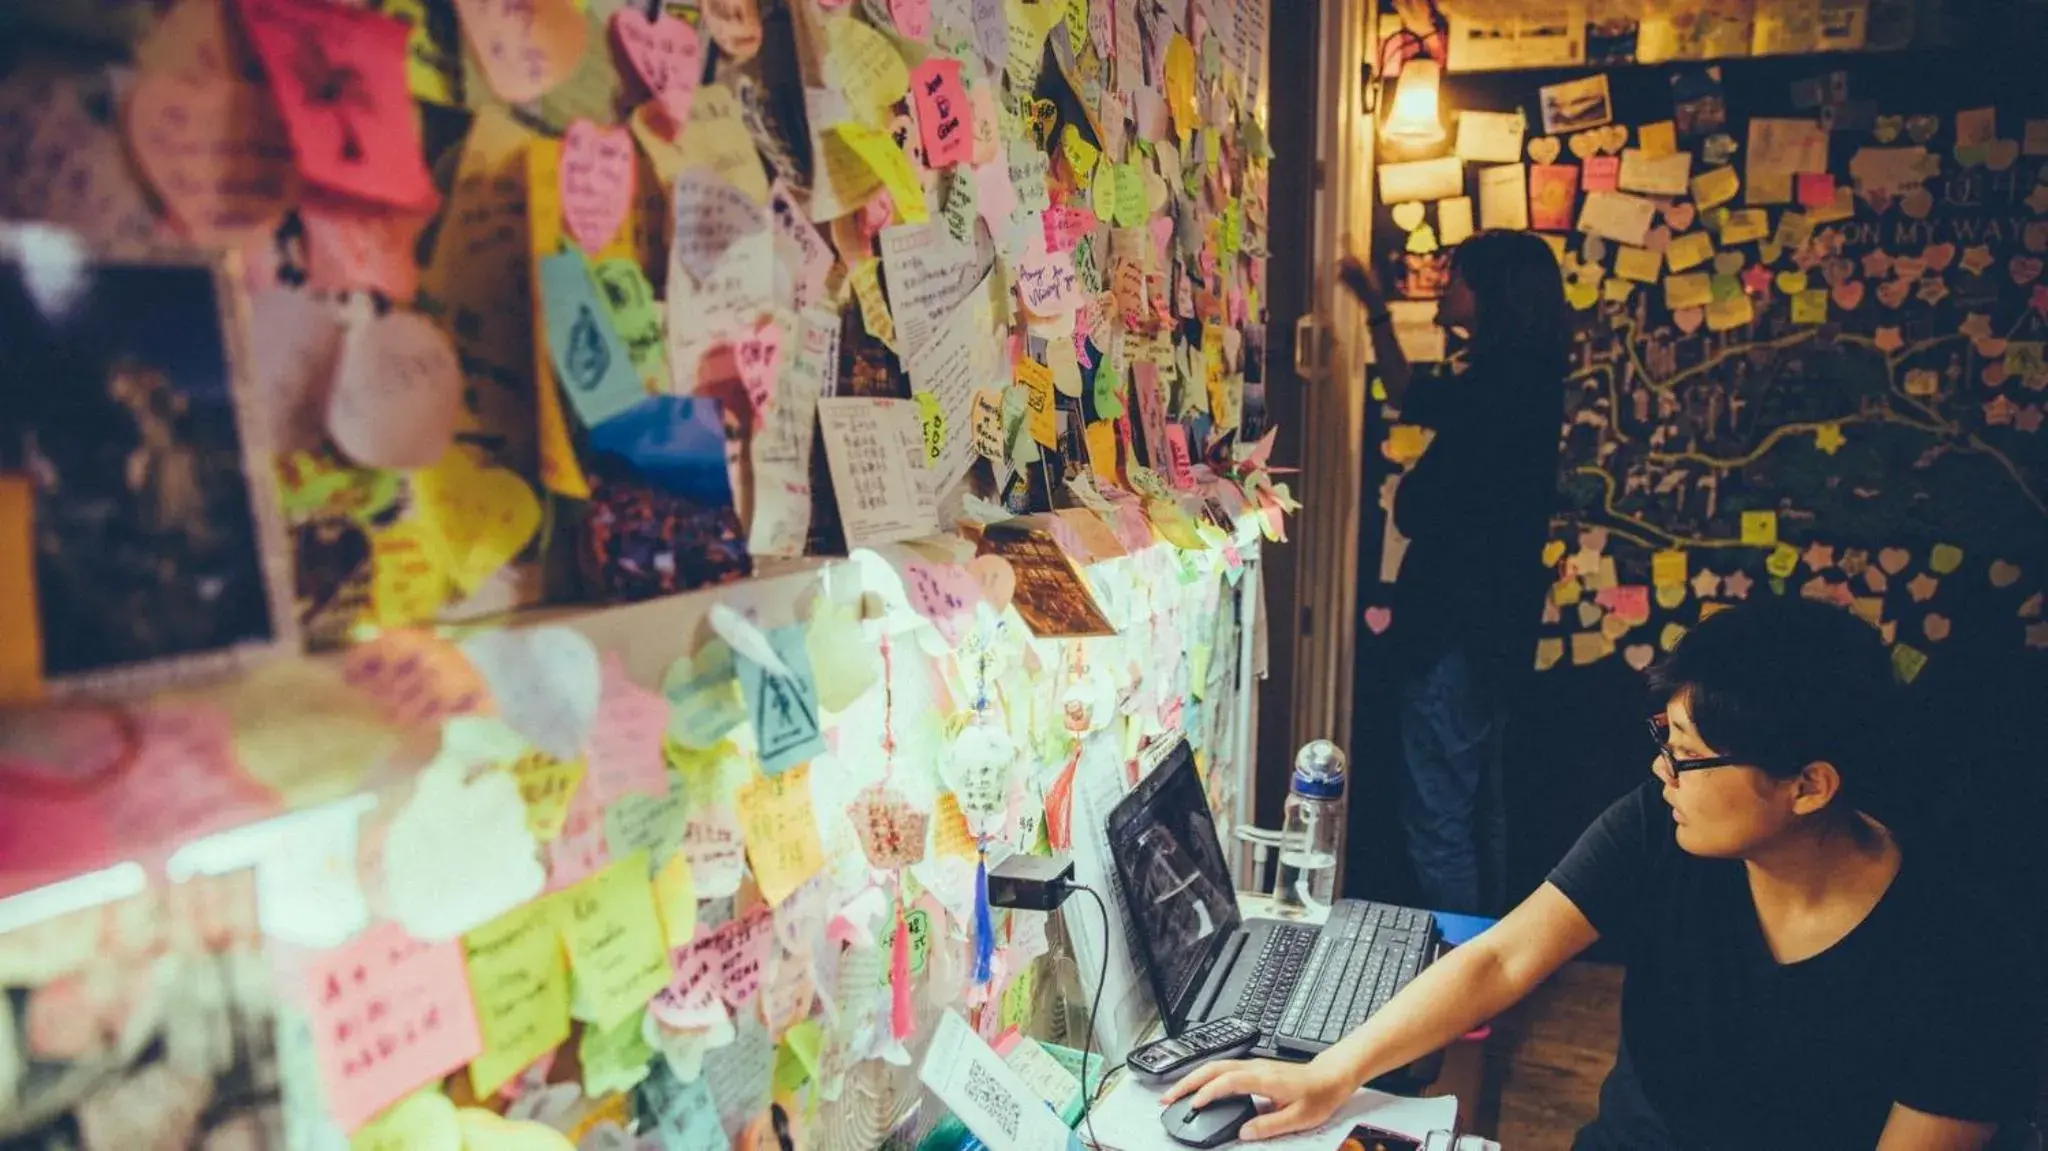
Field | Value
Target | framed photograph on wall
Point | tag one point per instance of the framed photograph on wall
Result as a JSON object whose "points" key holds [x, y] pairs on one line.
{"points": [[128, 412]]}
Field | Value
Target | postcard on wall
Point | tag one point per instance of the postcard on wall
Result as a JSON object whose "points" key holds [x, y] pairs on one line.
{"points": [[1617, 216], [1546, 34], [875, 450], [155, 556], [1504, 197], [1553, 191], [1414, 180], [1575, 105], [1490, 137], [1777, 151], [1655, 175], [1052, 595]]}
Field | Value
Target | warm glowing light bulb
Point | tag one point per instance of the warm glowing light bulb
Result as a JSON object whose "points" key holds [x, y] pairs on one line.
{"points": [[1414, 118]]}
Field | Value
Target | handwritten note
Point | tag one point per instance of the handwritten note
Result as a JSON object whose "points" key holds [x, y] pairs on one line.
{"points": [[929, 275], [524, 46], [683, 1116], [711, 214], [596, 173], [875, 452], [521, 988], [547, 786], [338, 75], [879, 151], [945, 119], [389, 1013], [781, 832], [787, 724], [665, 53], [216, 150], [1046, 281], [613, 1059], [397, 392], [614, 941], [546, 683], [590, 358]]}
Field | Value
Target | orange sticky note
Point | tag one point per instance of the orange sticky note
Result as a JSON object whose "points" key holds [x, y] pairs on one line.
{"points": [[338, 75], [524, 46], [781, 833], [21, 656]]}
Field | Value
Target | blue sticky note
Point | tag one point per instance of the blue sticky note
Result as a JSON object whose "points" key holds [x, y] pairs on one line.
{"points": [[682, 1115], [590, 357], [675, 443], [784, 708]]}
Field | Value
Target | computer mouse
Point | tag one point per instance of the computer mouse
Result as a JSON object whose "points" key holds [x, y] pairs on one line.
{"points": [[1211, 1126]]}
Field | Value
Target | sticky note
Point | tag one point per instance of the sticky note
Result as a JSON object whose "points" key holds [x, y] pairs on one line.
{"points": [[1714, 187], [483, 516], [216, 151], [1037, 380], [527, 48], [1668, 568], [864, 66], [21, 657], [1745, 226], [781, 832], [1601, 173], [521, 987], [945, 119], [787, 729], [675, 898], [590, 359], [683, 1115], [1692, 290], [1657, 139], [366, 145], [613, 1058], [1639, 264], [887, 161], [596, 170], [614, 940], [1689, 251], [1810, 306], [1730, 313], [397, 392], [1760, 528], [388, 1014]]}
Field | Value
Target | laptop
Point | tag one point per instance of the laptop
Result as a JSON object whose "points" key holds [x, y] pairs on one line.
{"points": [[1304, 986]]}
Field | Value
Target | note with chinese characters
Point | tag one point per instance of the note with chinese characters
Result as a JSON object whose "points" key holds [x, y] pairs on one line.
{"points": [[781, 831], [389, 1013], [875, 450], [521, 988]]}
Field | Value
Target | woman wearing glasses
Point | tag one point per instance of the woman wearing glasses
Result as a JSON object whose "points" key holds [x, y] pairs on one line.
{"points": [[1795, 979]]}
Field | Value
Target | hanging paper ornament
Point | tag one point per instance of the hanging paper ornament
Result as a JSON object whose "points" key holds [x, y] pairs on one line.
{"points": [[979, 767]]}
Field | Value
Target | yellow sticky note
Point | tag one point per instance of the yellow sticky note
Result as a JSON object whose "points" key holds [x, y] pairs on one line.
{"points": [[521, 986], [1102, 191], [1180, 84], [1810, 306], [1714, 187], [1944, 559], [1549, 650], [1908, 661], [717, 138], [424, 1121], [614, 1059], [1081, 155], [484, 516], [1590, 647], [1405, 443], [408, 576], [1783, 560], [1615, 290], [781, 832], [675, 897], [1100, 440], [880, 153], [1566, 592], [1658, 139], [1746, 225], [614, 941], [1667, 568], [1669, 596], [1731, 313], [1689, 251], [1553, 552], [547, 785], [1693, 290], [432, 67], [863, 65], [1037, 381], [874, 308], [1760, 528], [21, 656]]}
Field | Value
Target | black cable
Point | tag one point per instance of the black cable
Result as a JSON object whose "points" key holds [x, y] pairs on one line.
{"points": [[1088, 1040]]}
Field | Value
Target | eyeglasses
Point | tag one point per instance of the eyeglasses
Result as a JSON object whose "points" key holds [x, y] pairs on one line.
{"points": [[1668, 765]]}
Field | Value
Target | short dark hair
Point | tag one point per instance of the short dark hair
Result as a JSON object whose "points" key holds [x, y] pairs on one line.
{"points": [[1783, 681], [1519, 288]]}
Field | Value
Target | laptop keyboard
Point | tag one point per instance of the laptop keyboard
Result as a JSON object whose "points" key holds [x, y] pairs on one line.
{"points": [[1264, 997], [1360, 958]]}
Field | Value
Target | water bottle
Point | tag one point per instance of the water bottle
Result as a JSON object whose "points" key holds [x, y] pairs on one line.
{"points": [[1312, 831]]}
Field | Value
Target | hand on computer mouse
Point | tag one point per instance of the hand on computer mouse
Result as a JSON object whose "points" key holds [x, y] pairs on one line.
{"points": [[1303, 1095]]}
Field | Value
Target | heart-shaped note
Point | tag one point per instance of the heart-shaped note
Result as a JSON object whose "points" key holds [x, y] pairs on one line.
{"points": [[1584, 144], [1909, 267], [216, 150], [596, 183], [1658, 239], [1917, 203], [1894, 560], [486, 515], [2000, 154], [2004, 573], [711, 215], [1680, 215], [1791, 283], [1892, 293], [1544, 149], [1377, 619], [1688, 319], [397, 392], [1848, 295], [1638, 656], [913, 19], [1993, 374], [2024, 269], [1887, 128], [1838, 271], [1407, 215], [665, 53], [996, 578], [1921, 129], [1729, 263], [758, 357], [1990, 347], [1938, 256]]}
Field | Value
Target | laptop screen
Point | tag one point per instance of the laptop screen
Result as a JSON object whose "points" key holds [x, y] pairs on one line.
{"points": [[1175, 884]]}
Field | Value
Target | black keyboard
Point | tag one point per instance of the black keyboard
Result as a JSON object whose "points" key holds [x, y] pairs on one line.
{"points": [[1279, 968], [1360, 958]]}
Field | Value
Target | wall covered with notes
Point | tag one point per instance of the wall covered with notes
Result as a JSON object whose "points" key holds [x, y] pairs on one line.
{"points": [[869, 391]]}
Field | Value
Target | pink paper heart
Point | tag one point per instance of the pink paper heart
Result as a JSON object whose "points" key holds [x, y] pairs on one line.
{"points": [[1894, 560], [216, 151], [1938, 256], [596, 183], [1892, 293], [1917, 203], [1848, 296], [1658, 239], [1377, 619], [997, 579], [1688, 319], [1680, 215], [2024, 269], [1909, 267], [1838, 271], [1993, 373], [1990, 347], [667, 55], [1880, 200], [758, 358], [1638, 656], [913, 18]]}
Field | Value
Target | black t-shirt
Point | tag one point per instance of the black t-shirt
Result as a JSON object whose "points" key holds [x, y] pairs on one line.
{"points": [[1476, 508], [1925, 1003]]}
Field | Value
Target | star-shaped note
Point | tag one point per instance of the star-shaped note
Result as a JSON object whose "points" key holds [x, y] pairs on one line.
{"points": [[1829, 439], [1933, 290], [2028, 419], [1737, 585], [2000, 411], [1818, 556], [1976, 259], [1888, 340], [1705, 584], [1876, 262], [1756, 280], [2038, 199], [1977, 326], [1921, 587]]}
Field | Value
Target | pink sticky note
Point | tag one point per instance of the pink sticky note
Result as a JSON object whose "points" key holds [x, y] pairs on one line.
{"points": [[743, 952], [624, 753], [1628, 601], [1179, 460], [944, 117], [913, 18], [1046, 283], [1816, 189], [1151, 413], [524, 47], [758, 357], [581, 850], [185, 781], [665, 53], [1601, 174], [942, 593], [349, 251], [597, 183], [691, 999], [338, 75], [1064, 227], [216, 151], [389, 1014], [994, 194], [1133, 530]]}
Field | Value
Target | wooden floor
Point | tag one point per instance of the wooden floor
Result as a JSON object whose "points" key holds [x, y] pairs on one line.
{"points": [[1547, 1058]]}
